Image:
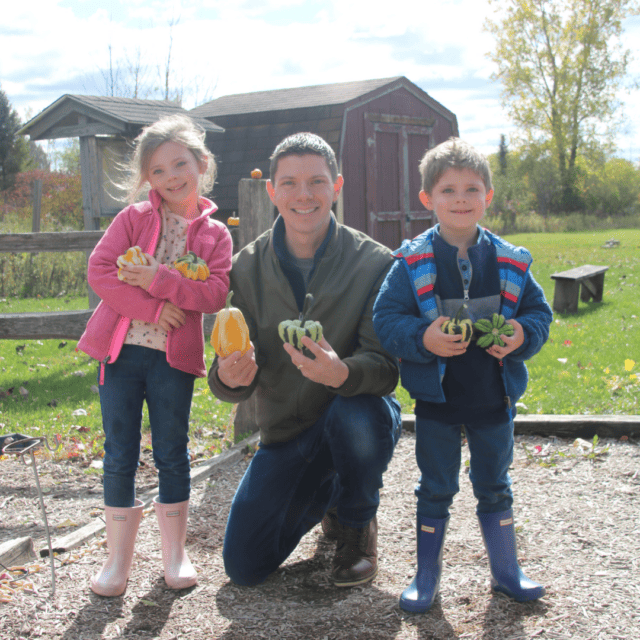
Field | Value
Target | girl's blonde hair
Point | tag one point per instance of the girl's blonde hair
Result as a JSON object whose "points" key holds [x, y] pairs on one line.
{"points": [[175, 128]]}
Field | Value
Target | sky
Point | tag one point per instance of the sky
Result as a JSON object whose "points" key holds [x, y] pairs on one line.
{"points": [[220, 47]]}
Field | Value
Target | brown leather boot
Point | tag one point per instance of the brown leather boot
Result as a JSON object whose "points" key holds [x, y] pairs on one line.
{"points": [[356, 559], [330, 525]]}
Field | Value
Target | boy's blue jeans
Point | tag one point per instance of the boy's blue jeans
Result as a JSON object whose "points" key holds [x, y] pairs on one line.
{"points": [[438, 453], [288, 487], [137, 375]]}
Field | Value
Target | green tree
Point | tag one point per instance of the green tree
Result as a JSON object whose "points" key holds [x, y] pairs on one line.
{"points": [[561, 64], [502, 154], [611, 186], [13, 151]]}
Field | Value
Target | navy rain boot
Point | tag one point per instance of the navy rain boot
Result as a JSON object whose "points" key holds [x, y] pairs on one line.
{"points": [[498, 533], [420, 594]]}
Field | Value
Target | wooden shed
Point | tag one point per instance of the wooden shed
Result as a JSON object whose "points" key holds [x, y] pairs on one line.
{"points": [[105, 125], [379, 130]]}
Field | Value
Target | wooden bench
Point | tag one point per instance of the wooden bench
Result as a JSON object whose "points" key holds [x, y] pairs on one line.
{"points": [[565, 296]]}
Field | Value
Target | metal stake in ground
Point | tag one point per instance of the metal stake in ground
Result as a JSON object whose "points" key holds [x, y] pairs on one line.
{"points": [[21, 447]]}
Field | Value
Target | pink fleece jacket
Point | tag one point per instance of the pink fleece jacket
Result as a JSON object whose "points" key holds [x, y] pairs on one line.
{"points": [[141, 224]]}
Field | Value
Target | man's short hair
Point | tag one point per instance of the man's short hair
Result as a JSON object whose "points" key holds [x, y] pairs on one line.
{"points": [[453, 154], [301, 144]]}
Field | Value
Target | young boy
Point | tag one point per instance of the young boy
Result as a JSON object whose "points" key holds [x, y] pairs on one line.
{"points": [[455, 382]]}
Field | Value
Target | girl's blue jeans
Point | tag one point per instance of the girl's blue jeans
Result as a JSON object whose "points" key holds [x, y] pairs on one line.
{"points": [[137, 375], [438, 453], [288, 487]]}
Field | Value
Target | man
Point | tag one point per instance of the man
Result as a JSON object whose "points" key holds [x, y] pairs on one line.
{"points": [[328, 425]]}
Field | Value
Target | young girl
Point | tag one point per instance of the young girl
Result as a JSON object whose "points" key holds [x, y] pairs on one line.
{"points": [[147, 335]]}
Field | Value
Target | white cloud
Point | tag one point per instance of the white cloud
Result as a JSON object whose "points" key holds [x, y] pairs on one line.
{"points": [[242, 46]]}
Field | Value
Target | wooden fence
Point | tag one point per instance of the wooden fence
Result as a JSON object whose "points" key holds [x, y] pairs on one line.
{"points": [[256, 216]]}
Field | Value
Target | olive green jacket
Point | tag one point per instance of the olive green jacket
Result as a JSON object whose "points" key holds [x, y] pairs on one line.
{"points": [[280, 401]]}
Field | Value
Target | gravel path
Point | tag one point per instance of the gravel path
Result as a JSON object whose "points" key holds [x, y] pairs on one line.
{"points": [[578, 522]]}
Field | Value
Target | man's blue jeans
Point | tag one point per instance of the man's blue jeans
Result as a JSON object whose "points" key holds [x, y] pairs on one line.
{"points": [[288, 487], [438, 453], [137, 375]]}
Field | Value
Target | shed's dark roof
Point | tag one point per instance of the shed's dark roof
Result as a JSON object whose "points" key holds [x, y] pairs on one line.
{"points": [[279, 99], [137, 111], [122, 113]]}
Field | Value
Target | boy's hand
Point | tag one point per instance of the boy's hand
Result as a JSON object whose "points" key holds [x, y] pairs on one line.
{"points": [[238, 370], [442, 344], [511, 343], [141, 275]]}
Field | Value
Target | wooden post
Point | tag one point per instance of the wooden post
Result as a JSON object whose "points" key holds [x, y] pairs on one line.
{"points": [[255, 210], [37, 205], [90, 195]]}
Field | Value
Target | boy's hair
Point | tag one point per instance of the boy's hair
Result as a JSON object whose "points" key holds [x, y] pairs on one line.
{"points": [[301, 144], [453, 154], [175, 128]]}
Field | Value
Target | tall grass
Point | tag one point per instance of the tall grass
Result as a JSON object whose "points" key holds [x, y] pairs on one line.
{"points": [[28, 275], [532, 222]]}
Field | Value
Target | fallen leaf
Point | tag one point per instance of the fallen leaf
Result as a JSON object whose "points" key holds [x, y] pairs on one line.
{"points": [[94, 389], [149, 603], [79, 412], [23, 392], [80, 374], [67, 523]]}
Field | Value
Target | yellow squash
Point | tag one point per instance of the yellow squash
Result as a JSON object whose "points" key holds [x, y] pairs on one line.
{"points": [[230, 332], [133, 255]]}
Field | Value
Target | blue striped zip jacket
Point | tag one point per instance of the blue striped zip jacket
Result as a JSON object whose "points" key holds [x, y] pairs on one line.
{"points": [[407, 305]]}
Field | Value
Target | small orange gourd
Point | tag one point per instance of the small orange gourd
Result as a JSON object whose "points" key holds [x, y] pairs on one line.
{"points": [[192, 267], [230, 331]]}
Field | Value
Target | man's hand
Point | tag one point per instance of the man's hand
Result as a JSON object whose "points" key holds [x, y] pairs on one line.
{"points": [[141, 275], [238, 370], [171, 317], [440, 343], [511, 342], [326, 369]]}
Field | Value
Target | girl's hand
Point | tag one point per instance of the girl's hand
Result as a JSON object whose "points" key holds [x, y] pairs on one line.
{"points": [[139, 275], [238, 370], [511, 342], [440, 343], [171, 317]]}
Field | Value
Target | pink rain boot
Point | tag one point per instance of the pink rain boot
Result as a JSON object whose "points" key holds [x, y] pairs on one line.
{"points": [[172, 519], [122, 528]]}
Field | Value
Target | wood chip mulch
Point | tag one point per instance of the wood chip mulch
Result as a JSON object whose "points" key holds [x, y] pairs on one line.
{"points": [[577, 517]]}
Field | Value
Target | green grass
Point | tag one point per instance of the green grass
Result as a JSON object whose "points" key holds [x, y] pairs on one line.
{"points": [[42, 305], [62, 399], [589, 365], [591, 362]]}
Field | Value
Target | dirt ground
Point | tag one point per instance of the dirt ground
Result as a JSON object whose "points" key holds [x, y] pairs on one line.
{"points": [[578, 523]]}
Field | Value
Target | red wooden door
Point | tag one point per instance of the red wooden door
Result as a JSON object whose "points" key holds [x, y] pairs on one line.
{"points": [[395, 145]]}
